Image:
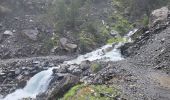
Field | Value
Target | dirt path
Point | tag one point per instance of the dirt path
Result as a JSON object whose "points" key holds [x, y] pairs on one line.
{"points": [[150, 84]]}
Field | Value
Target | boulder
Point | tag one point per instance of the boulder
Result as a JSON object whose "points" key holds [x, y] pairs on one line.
{"points": [[64, 85], [63, 41], [31, 34], [71, 47], [85, 65], [159, 15], [67, 46]]}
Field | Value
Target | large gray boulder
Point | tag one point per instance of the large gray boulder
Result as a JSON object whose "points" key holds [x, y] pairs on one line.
{"points": [[159, 15], [67, 45]]}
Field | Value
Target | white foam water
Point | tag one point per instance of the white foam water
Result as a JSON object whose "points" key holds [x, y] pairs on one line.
{"points": [[39, 83]]}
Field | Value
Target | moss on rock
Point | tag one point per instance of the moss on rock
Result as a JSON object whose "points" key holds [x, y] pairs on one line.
{"points": [[92, 92]]}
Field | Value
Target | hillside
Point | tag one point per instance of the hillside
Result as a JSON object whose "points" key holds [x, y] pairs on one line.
{"points": [[84, 50]]}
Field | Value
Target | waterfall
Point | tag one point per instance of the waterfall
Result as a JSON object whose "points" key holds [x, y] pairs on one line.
{"points": [[39, 82]]}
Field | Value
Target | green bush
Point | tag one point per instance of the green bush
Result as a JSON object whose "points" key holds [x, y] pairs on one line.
{"points": [[122, 25]]}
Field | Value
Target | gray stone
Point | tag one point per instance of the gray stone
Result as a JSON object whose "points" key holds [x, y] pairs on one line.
{"points": [[85, 65], [64, 85], [77, 71], [67, 46], [159, 15], [71, 47], [8, 33], [31, 34], [114, 33], [17, 71], [63, 41], [26, 72]]}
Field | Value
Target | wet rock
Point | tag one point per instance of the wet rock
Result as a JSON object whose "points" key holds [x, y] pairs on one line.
{"points": [[77, 72], [26, 73], [71, 68], [85, 65], [31, 34], [19, 77], [22, 82], [107, 49], [62, 69], [64, 85]]}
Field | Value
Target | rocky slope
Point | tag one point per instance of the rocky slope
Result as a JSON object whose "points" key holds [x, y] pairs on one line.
{"points": [[143, 75]]}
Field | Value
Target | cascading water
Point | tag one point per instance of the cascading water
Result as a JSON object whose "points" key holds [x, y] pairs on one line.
{"points": [[39, 82]]}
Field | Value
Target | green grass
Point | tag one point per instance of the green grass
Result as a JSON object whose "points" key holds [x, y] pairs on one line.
{"points": [[72, 92], [116, 40], [91, 92]]}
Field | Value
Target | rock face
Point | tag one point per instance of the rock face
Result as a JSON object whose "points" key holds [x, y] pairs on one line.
{"points": [[31, 34], [64, 85], [159, 15]]}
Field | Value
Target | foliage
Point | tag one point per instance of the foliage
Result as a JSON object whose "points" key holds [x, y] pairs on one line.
{"points": [[49, 43], [92, 92], [72, 92], [116, 40], [140, 7], [66, 13], [145, 20], [122, 25]]}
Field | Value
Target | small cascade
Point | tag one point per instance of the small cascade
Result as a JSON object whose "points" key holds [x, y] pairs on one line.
{"points": [[37, 84]]}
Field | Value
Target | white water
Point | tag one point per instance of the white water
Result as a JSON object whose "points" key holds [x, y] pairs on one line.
{"points": [[39, 82]]}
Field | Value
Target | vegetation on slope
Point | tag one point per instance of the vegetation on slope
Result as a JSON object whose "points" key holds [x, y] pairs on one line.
{"points": [[91, 92]]}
